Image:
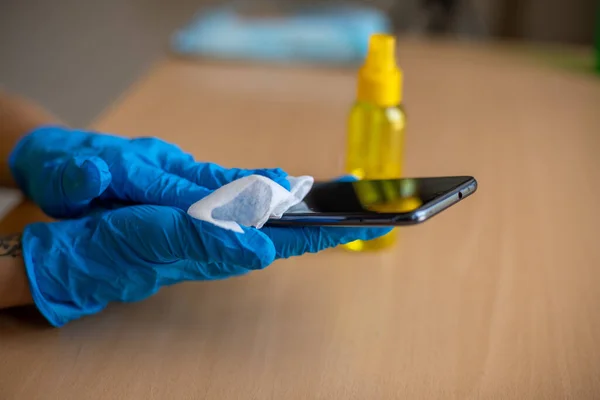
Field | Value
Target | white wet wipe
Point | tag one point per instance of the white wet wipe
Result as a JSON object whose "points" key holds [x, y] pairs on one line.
{"points": [[250, 201]]}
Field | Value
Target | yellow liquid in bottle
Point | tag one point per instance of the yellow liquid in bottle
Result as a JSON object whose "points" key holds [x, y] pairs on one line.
{"points": [[375, 151]]}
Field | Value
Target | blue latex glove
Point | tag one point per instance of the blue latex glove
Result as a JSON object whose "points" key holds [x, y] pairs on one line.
{"points": [[69, 172], [76, 267]]}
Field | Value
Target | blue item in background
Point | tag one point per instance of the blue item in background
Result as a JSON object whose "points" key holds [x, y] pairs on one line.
{"points": [[323, 34]]}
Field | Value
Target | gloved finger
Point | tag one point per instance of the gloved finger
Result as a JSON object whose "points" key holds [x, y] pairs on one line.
{"points": [[294, 241], [251, 249], [169, 235], [228, 250], [84, 179], [157, 149], [79, 180], [151, 185], [213, 176]]}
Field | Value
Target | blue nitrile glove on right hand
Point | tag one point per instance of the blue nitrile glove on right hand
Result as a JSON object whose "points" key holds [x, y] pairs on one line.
{"points": [[77, 267], [70, 172]]}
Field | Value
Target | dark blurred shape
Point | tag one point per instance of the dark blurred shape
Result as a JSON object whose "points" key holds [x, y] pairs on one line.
{"points": [[510, 21], [546, 20], [441, 14], [530, 20]]}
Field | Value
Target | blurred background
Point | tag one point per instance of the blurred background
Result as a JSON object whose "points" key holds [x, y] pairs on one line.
{"points": [[76, 57]]}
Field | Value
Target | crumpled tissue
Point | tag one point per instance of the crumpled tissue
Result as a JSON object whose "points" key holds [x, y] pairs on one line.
{"points": [[250, 201]]}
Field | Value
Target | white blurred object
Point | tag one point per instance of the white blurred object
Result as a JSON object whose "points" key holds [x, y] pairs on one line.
{"points": [[9, 199], [250, 201]]}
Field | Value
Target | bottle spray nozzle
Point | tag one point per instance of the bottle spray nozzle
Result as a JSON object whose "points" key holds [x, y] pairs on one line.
{"points": [[381, 55], [380, 79]]}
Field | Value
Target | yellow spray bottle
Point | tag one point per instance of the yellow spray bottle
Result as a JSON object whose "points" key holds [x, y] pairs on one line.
{"points": [[376, 124]]}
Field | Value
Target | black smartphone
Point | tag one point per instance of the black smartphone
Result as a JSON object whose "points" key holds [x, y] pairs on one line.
{"points": [[387, 202]]}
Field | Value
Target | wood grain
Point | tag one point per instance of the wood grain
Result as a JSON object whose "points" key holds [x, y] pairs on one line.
{"points": [[497, 298]]}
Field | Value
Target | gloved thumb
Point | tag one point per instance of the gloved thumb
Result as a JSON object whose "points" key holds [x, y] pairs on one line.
{"points": [[83, 179], [251, 249], [167, 235]]}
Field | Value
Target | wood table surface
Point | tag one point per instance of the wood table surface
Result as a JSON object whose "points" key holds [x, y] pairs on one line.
{"points": [[496, 298]]}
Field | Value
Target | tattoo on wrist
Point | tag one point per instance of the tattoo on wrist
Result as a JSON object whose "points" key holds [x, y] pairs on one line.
{"points": [[10, 246]]}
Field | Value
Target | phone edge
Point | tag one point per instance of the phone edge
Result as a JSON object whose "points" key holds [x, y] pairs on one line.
{"points": [[452, 197]]}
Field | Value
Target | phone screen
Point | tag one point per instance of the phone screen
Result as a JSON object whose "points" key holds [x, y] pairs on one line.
{"points": [[388, 196]]}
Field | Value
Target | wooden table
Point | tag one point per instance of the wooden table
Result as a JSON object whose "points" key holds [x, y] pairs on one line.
{"points": [[498, 297]]}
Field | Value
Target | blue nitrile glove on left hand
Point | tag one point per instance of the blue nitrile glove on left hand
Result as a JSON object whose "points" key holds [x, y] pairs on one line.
{"points": [[69, 172]]}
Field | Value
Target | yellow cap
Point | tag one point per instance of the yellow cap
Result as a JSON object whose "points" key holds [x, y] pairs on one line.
{"points": [[380, 79]]}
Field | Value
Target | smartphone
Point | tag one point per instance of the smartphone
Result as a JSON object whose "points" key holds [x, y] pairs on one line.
{"points": [[387, 202]]}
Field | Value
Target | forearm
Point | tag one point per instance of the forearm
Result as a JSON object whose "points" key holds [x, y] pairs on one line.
{"points": [[14, 285], [17, 117]]}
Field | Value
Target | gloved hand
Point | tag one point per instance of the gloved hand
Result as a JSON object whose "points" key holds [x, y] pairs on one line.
{"points": [[69, 172], [76, 267]]}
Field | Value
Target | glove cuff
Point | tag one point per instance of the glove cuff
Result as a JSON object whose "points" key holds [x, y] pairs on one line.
{"points": [[46, 266]]}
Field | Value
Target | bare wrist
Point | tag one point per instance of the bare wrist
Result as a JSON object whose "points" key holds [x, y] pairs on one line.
{"points": [[14, 285]]}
